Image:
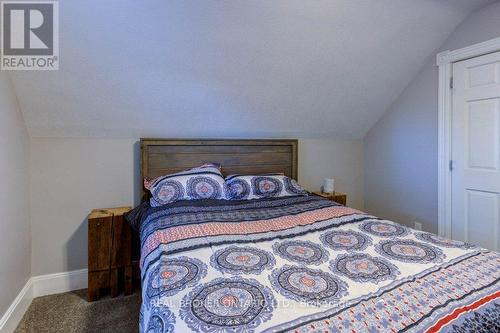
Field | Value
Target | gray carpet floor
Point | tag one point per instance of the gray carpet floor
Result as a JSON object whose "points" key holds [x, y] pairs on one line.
{"points": [[70, 312]]}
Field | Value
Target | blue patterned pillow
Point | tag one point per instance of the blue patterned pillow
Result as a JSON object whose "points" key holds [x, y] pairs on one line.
{"points": [[204, 182], [242, 187]]}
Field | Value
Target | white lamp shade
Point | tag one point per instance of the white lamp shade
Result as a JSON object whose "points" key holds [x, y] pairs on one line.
{"points": [[328, 185]]}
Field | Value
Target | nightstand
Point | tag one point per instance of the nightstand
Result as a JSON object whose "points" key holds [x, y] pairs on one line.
{"points": [[107, 231], [337, 197]]}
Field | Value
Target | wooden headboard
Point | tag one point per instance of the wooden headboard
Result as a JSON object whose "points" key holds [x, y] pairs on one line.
{"points": [[164, 156]]}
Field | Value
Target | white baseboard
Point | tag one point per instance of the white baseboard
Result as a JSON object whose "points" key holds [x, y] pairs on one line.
{"points": [[59, 282], [37, 286], [16, 310]]}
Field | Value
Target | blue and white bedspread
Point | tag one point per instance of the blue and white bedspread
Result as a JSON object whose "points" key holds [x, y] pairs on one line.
{"points": [[305, 264]]}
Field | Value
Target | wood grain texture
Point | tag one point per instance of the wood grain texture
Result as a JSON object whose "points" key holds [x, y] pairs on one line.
{"points": [[100, 241], [164, 156], [108, 247], [338, 197]]}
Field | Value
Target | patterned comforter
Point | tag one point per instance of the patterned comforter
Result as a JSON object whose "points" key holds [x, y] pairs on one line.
{"points": [[305, 264]]}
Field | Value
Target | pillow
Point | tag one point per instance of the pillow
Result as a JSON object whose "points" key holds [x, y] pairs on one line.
{"points": [[204, 182], [242, 187]]}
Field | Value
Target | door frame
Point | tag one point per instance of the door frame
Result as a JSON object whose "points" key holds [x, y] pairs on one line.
{"points": [[445, 62]]}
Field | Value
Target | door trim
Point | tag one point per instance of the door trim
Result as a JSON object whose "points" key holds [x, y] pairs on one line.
{"points": [[445, 62]]}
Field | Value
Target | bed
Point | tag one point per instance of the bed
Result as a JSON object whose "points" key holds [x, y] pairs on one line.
{"points": [[299, 263]]}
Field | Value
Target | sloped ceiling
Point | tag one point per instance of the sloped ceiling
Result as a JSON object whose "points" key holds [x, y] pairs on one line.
{"points": [[240, 68]]}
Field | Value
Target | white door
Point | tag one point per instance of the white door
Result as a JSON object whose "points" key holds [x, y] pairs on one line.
{"points": [[476, 151]]}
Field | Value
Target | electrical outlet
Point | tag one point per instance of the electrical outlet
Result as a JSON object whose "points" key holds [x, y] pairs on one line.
{"points": [[417, 225]]}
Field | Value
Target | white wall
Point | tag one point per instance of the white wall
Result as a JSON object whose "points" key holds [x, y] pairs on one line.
{"points": [[342, 160], [72, 176], [14, 197], [401, 149]]}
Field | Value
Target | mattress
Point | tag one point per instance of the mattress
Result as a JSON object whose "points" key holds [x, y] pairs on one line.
{"points": [[305, 264]]}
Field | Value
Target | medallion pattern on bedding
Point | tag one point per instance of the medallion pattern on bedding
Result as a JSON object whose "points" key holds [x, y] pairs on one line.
{"points": [[384, 229], [204, 182], [441, 241], [161, 320], [362, 267], [241, 260], [239, 189], [368, 275], [409, 251], [173, 275], [265, 186], [346, 240], [302, 252], [222, 305], [307, 285]]}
